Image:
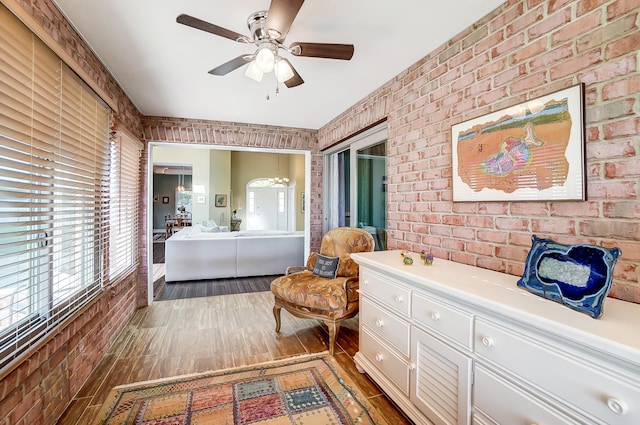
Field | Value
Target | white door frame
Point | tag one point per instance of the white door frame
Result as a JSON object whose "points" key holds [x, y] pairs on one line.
{"points": [[149, 235]]}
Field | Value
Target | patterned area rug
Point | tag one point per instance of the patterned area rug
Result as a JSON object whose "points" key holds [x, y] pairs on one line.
{"points": [[306, 391]]}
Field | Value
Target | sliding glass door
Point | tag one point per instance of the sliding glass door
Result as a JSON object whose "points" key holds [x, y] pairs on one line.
{"points": [[355, 192]]}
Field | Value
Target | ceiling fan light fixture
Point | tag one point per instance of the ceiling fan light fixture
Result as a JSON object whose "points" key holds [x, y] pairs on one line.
{"points": [[283, 70], [268, 30], [266, 58], [254, 72]]}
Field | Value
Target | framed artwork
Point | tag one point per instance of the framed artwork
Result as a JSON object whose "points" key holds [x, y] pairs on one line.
{"points": [[221, 200], [165, 199], [201, 199], [533, 151]]}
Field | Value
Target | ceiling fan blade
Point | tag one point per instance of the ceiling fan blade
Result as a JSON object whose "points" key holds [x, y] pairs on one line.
{"points": [[323, 50], [213, 29], [294, 81], [280, 17], [232, 65]]}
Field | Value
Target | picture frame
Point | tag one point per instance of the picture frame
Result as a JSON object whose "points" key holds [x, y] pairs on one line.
{"points": [[165, 199], [532, 151], [201, 199], [220, 200]]}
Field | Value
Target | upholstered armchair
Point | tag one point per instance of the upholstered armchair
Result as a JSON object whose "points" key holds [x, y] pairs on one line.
{"points": [[327, 288]]}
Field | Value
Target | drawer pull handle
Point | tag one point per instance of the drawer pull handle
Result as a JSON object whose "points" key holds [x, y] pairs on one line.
{"points": [[487, 341], [618, 407], [379, 357], [435, 316], [398, 298], [379, 323]]}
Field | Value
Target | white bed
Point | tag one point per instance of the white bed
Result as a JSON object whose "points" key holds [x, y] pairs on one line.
{"points": [[192, 254]]}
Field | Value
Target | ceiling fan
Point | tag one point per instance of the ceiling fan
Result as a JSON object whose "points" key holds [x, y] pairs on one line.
{"points": [[268, 31]]}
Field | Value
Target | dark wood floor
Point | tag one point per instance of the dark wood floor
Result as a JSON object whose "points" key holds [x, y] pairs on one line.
{"points": [[207, 288], [164, 291], [194, 335], [158, 252]]}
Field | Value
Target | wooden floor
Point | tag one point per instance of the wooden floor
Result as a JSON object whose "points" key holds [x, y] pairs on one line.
{"points": [[206, 288], [158, 252], [164, 291], [194, 335]]}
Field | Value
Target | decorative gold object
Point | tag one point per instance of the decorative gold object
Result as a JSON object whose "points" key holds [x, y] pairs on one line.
{"points": [[406, 257]]}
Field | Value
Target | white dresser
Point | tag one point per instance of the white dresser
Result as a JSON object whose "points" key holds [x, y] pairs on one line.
{"points": [[456, 344]]}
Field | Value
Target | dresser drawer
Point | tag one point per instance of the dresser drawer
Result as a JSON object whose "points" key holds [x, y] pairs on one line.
{"points": [[396, 296], [479, 418], [385, 325], [451, 322], [387, 362], [505, 404], [610, 398]]}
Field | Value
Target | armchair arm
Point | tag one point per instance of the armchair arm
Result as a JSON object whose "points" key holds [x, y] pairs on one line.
{"points": [[348, 267], [351, 285], [294, 269], [311, 262]]}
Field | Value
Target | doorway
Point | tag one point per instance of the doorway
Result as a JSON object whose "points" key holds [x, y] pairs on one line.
{"points": [[356, 185], [222, 172], [269, 205]]}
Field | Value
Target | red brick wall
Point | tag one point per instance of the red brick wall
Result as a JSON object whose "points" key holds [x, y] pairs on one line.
{"points": [[38, 390], [524, 49]]}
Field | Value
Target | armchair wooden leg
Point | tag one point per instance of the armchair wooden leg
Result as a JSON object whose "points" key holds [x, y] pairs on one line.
{"points": [[334, 328], [276, 314]]}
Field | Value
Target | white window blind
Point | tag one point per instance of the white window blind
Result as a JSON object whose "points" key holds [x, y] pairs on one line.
{"points": [[123, 215], [54, 188]]}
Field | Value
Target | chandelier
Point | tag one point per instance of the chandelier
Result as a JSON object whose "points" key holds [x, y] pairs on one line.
{"points": [[280, 180], [283, 181], [181, 187]]}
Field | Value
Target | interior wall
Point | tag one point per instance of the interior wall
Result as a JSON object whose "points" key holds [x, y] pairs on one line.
{"points": [[199, 162], [523, 50], [219, 184], [164, 186], [247, 166], [297, 174]]}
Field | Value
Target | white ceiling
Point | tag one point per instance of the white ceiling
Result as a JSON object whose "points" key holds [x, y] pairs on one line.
{"points": [[163, 66]]}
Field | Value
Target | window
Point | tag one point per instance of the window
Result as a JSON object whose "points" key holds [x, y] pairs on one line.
{"points": [[356, 184], [281, 204], [54, 166], [252, 201], [123, 204]]}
